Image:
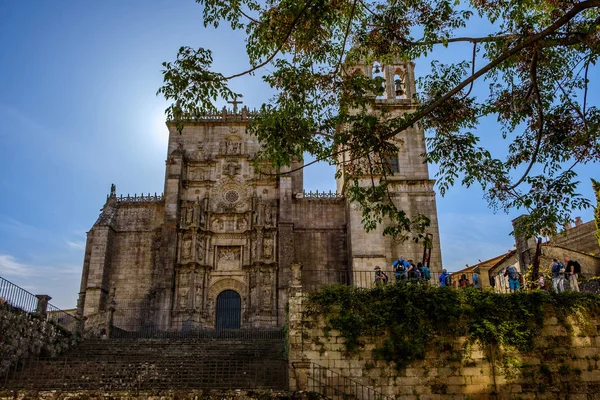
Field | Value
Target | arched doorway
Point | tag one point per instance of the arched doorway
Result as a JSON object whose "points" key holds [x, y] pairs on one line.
{"points": [[229, 310]]}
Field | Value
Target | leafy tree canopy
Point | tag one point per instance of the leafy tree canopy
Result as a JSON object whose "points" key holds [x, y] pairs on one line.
{"points": [[536, 60]]}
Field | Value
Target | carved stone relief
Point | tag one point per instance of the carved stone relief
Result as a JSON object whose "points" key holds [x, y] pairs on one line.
{"points": [[186, 249], [231, 169], [229, 258], [218, 224], [268, 247], [183, 290], [233, 147], [241, 224], [267, 290], [200, 248], [187, 213], [231, 195], [265, 213], [196, 173], [198, 297]]}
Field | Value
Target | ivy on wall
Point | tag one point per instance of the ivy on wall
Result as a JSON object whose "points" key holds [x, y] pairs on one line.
{"points": [[411, 316], [596, 187]]}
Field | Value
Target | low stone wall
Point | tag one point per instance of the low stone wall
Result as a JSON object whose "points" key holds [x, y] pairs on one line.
{"points": [[157, 395], [24, 335], [566, 363]]}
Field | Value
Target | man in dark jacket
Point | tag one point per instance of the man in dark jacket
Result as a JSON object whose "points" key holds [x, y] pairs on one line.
{"points": [[571, 272]]}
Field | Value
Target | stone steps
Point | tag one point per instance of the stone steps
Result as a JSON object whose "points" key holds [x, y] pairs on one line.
{"points": [[152, 349], [158, 364]]}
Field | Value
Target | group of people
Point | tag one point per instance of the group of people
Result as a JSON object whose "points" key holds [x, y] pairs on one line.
{"points": [[404, 269], [446, 280], [570, 271]]}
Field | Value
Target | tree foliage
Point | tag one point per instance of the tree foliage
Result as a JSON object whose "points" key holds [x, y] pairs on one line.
{"points": [[531, 67]]}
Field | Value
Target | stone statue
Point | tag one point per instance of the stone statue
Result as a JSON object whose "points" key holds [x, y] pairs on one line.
{"points": [[183, 293], [241, 224], [260, 213], [268, 214], [187, 248], [198, 297], [184, 279], [268, 247], [113, 189], [267, 297], [200, 249], [189, 215], [200, 210]]}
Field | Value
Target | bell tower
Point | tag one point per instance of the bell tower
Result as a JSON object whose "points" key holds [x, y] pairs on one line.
{"points": [[410, 188]]}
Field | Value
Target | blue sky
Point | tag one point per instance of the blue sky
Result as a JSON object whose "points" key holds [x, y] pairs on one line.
{"points": [[79, 112]]}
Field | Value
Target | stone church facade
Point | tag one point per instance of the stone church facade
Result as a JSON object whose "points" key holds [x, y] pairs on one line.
{"points": [[224, 232]]}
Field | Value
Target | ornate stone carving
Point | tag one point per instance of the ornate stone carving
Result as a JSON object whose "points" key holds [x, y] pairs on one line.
{"points": [[183, 297], [268, 247], [196, 173], [241, 224], [231, 169], [229, 258], [187, 249], [200, 248], [233, 147], [267, 297], [183, 291], [198, 297], [231, 195], [218, 224]]}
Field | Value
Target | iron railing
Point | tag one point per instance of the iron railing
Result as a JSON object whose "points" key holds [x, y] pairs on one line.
{"points": [[20, 298], [315, 279], [335, 386], [220, 323], [166, 372], [17, 296]]}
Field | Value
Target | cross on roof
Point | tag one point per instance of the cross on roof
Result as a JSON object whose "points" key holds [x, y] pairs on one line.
{"points": [[235, 103]]}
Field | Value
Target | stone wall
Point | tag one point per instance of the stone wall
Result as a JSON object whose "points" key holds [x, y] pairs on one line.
{"points": [[590, 265], [567, 362], [24, 335], [320, 233], [579, 238]]}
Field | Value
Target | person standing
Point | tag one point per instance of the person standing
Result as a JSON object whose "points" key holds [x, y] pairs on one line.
{"points": [[401, 268], [513, 278], [426, 272], [573, 269], [380, 276], [558, 276], [476, 281], [443, 276]]}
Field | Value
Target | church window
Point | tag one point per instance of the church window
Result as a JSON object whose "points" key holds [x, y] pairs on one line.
{"points": [[232, 196]]}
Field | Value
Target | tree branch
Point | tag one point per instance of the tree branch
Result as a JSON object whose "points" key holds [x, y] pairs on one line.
{"points": [[415, 117], [345, 37], [272, 56], [536, 91]]}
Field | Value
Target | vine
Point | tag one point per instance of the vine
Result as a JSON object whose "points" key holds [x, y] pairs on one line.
{"points": [[411, 316]]}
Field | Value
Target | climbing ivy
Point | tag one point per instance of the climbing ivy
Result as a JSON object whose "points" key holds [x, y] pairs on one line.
{"points": [[411, 316], [596, 187]]}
